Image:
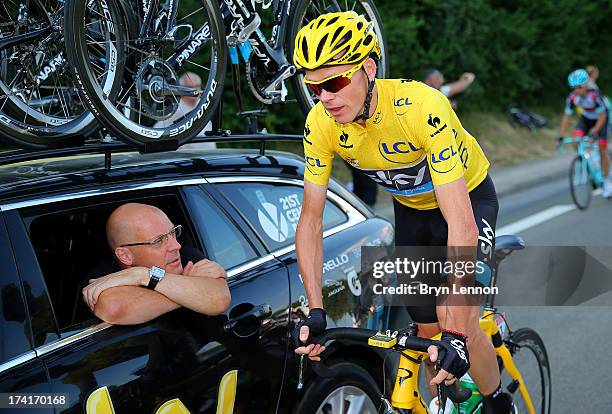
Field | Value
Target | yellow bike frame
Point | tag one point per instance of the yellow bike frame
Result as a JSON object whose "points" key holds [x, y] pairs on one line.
{"points": [[406, 390]]}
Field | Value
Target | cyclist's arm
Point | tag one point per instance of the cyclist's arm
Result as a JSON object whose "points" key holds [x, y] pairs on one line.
{"points": [[454, 201], [567, 113], [447, 174], [601, 120], [309, 242], [564, 124]]}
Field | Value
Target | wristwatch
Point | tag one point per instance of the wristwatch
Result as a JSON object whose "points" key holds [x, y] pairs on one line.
{"points": [[156, 274]]}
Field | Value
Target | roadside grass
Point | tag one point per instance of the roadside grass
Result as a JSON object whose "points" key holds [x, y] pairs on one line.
{"points": [[504, 144]]}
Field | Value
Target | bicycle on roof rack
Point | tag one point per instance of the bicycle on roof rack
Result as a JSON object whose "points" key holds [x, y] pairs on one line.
{"points": [[39, 104], [129, 57]]}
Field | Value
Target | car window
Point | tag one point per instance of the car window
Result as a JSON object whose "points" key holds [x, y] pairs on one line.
{"points": [[273, 209], [69, 241], [223, 240]]}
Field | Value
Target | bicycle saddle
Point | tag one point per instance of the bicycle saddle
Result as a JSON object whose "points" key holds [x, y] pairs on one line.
{"points": [[509, 242]]}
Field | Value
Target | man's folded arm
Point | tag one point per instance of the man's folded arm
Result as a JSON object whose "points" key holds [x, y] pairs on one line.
{"points": [[129, 305]]}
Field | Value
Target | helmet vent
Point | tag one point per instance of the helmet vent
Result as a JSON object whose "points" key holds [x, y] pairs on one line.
{"points": [[359, 25], [336, 34], [332, 21], [368, 40], [320, 47], [357, 45], [305, 48]]}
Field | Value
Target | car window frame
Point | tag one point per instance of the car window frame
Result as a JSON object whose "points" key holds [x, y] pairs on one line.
{"points": [[354, 215], [190, 193]]}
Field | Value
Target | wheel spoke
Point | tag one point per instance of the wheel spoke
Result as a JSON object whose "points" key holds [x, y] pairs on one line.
{"points": [[336, 402]]}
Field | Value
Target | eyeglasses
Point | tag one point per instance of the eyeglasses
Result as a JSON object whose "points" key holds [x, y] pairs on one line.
{"points": [[160, 240], [333, 83]]}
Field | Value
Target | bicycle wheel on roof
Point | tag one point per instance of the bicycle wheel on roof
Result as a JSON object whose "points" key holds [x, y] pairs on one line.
{"points": [[39, 106], [137, 66]]}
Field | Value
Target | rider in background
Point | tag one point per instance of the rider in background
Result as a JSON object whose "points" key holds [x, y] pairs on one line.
{"points": [[593, 120]]}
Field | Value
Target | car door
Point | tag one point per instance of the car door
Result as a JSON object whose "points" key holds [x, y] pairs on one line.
{"points": [[20, 370], [271, 206], [182, 361], [258, 316]]}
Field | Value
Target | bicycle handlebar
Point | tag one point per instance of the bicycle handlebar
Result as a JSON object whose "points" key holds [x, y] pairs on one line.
{"points": [[569, 140], [415, 343]]}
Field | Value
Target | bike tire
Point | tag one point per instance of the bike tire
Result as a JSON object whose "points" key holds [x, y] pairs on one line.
{"points": [[22, 123], [530, 356], [580, 183], [103, 99], [305, 100], [352, 385]]}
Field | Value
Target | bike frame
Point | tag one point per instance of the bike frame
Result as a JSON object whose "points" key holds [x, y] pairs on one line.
{"points": [[242, 25], [406, 389], [584, 149]]}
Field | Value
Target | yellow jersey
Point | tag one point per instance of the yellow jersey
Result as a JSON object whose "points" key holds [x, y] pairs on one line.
{"points": [[413, 142]]}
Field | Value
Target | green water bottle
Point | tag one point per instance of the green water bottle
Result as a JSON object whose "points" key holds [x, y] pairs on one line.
{"points": [[474, 404]]}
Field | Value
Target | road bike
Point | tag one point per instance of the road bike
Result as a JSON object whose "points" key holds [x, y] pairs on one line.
{"points": [[585, 173], [39, 105], [521, 355], [130, 59]]}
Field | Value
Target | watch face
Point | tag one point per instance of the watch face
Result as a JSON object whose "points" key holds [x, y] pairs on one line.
{"points": [[157, 272]]}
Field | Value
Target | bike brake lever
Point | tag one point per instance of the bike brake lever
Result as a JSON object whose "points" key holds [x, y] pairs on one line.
{"points": [[442, 391]]}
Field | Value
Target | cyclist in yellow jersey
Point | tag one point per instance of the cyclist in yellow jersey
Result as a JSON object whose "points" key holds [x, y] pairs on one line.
{"points": [[405, 136]]}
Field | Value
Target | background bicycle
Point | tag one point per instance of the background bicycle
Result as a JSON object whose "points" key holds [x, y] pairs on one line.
{"points": [[585, 174]]}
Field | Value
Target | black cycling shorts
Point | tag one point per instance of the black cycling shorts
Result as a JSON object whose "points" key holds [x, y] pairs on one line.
{"points": [[585, 125], [428, 228]]}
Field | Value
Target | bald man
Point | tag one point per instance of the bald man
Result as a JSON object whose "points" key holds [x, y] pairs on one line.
{"points": [[144, 242]]}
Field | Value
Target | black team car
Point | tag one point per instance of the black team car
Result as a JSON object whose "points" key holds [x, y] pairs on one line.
{"points": [[241, 209]]}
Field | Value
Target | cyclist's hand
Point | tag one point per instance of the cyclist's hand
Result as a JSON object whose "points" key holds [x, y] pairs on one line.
{"points": [[455, 360], [315, 324]]}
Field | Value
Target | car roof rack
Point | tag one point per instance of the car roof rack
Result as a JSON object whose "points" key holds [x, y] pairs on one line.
{"points": [[108, 148]]}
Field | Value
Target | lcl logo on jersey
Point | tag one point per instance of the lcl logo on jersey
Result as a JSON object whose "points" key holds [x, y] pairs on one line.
{"points": [[402, 102], [444, 155], [398, 152], [312, 163], [401, 105], [344, 140], [434, 121]]}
